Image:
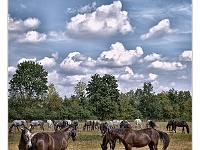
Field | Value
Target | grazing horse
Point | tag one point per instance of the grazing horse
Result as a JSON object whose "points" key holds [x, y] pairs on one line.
{"points": [[16, 124], [169, 125], [135, 138], [37, 123], [44, 141], [138, 122], [96, 124], [88, 125], [150, 123], [180, 124], [50, 124]]}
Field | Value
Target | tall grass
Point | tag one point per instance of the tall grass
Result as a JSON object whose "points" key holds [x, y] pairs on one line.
{"points": [[91, 140]]}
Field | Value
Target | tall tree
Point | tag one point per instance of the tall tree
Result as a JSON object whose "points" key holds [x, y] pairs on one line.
{"points": [[103, 95], [29, 81]]}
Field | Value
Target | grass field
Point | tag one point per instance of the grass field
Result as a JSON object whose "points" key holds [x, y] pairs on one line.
{"points": [[91, 140]]}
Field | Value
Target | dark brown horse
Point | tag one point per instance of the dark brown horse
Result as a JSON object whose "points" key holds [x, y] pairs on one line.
{"points": [[169, 125], [57, 140], [182, 124], [135, 138]]}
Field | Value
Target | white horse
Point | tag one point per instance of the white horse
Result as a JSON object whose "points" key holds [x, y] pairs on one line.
{"points": [[138, 122], [37, 123], [16, 124], [50, 124]]}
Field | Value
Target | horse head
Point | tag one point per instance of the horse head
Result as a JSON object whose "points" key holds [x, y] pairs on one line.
{"points": [[25, 141]]}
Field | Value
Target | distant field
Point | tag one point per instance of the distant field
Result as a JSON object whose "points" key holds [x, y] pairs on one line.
{"points": [[91, 140]]}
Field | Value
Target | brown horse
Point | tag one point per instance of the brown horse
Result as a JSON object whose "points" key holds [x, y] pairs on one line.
{"points": [[135, 138], [182, 124], [57, 140]]}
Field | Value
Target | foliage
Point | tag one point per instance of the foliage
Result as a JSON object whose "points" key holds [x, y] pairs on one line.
{"points": [[29, 81], [100, 99]]}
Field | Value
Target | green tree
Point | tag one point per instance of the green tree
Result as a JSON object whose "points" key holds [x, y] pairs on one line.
{"points": [[103, 95], [29, 81]]}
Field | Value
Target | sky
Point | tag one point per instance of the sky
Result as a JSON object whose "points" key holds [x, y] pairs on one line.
{"points": [[135, 41]]}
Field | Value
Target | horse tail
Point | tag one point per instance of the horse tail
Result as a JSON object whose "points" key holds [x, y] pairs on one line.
{"points": [[165, 138], [187, 127]]}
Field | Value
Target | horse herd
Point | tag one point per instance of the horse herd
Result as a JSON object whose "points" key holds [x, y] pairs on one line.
{"points": [[111, 130]]}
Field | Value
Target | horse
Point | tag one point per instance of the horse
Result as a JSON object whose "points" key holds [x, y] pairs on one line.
{"points": [[16, 124], [37, 123], [138, 122], [169, 124], [150, 123], [75, 123], [180, 124], [57, 140], [57, 123], [105, 126], [50, 124], [125, 124], [135, 138], [96, 124], [88, 125]]}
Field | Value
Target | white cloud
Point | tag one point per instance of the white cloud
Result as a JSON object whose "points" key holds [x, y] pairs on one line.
{"points": [[186, 56], [119, 56], [152, 57], [106, 20], [32, 37], [167, 65], [172, 84], [20, 25], [11, 69], [152, 76], [26, 59], [47, 62], [75, 63], [23, 31], [160, 30], [53, 77]]}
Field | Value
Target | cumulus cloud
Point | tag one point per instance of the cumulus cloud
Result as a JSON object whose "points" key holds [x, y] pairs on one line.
{"points": [[167, 65], [47, 62], [53, 77], [76, 63], [24, 31], [152, 57], [20, 25], [160, 30], [128, 74], [32, 37], [119, 56], [186, 56], [105, 21], [152, 76]]}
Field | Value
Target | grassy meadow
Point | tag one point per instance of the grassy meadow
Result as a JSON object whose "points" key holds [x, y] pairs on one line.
{"points": [[91, 140]]}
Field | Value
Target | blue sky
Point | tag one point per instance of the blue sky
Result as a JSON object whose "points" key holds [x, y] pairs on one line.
{"points": [[136, 41]]}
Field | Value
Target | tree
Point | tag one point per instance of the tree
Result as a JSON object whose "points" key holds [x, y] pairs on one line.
{"points": [[29, 81], [103, 95]]}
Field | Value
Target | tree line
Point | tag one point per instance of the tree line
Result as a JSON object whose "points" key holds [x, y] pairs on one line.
{"points": [[31, 98]]}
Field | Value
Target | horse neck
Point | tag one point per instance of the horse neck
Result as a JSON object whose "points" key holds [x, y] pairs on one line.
{"points": [[120, 134]]}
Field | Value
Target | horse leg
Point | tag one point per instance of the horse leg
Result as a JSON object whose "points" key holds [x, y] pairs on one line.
{"points": [[151, 146], [128, 147], [183, 130], [18, 128]]}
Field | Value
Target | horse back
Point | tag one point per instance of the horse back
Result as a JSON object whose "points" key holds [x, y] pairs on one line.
{"points": [[60, 141], [42, 141]]}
